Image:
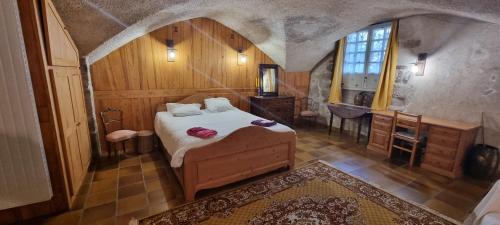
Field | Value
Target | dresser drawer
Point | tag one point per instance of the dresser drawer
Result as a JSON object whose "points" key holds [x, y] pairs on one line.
{"points": [[444, 132], [448, 153], [278, 108], [438, 162]]}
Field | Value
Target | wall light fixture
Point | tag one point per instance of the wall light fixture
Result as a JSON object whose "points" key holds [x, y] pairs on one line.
{"points": [[242, 58], [418, 68], [171, 51]]}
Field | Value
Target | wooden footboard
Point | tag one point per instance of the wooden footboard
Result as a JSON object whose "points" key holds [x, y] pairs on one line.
{"points": [[245, 153]]}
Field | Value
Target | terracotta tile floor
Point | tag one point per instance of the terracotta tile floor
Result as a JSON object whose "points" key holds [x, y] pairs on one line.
{"points": [[137, 186]]}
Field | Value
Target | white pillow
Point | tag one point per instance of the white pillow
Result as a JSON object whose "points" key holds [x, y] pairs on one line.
{"points": [[218, 104], [171, 106], [179, 109]]}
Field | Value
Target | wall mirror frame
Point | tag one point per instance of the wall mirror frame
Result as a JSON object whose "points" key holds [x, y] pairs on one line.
{"points": [[268, 79]]}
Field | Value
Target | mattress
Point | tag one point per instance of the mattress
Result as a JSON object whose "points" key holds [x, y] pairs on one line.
{"points": [[172, 130]]}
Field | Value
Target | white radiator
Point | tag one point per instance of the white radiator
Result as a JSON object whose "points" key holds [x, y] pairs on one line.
{"points": [[24, 177]]}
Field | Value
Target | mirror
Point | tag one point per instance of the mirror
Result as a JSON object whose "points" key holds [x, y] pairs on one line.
{"points": [[268, 80]]}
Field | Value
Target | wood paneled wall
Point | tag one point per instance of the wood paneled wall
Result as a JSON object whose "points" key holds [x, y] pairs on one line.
{"points": [[137, 77], [295, 84]]}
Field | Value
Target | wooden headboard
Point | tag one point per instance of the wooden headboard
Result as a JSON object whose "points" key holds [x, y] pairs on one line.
{"points": [[200, 97]]}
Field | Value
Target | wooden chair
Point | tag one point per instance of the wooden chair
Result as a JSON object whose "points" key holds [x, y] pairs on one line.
{"points": [[112, 119], [406, 128], [309, 110]]}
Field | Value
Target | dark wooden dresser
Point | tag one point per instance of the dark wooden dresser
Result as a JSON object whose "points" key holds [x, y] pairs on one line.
{"points": [[278, 108]]}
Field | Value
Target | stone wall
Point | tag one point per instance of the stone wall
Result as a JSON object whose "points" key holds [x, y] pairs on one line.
{"points": [[460, 79], [461, 74], [89, 105]]}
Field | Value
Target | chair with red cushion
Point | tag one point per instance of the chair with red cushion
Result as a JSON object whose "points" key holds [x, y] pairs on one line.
{"points": [[112, 120]]}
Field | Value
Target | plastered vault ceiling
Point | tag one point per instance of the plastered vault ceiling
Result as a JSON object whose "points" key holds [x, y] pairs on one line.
{"points": [[296, 34]]}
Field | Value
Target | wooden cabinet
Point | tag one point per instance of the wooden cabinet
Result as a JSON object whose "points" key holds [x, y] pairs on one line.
{"points": [[380, 134], [446, 149], [447, 142], [278, 108], [70, 108], [67, 88], [53, 62]]}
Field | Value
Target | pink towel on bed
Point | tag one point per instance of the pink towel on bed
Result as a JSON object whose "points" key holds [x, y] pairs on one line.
{"points": [[201, 132]]}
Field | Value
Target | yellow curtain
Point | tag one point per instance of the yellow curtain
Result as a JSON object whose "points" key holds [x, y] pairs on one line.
{"points": [[336, 88], [383, 94]]}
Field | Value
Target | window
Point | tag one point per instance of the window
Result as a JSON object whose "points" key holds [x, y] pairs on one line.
{"points": [[364, 55]]}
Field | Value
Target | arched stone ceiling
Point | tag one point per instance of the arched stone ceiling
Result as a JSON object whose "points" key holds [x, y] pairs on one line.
{"points": [[295, 33]]}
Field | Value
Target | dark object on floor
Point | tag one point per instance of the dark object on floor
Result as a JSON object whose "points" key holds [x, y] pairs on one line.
{"points": [[482, 162]]}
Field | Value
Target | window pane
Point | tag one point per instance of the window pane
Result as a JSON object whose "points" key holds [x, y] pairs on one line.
{"points": [[360, 57], [374, 68], [362, 35], [351, 47], [348, 68], [359, 68], [349, 58], [387, 32], [377, 46], [375, 56], [361, 47], [378, 33], [351, 37]]}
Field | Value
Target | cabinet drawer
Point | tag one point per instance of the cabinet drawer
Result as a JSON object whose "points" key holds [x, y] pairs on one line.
{"points": [[443, 141], [438, 162], [448, 153], [382, 119], [380, 140], [376, 125], [445, 132]]}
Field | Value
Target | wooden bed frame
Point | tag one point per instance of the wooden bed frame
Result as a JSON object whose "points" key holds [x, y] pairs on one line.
{"points": [[247, 152]]}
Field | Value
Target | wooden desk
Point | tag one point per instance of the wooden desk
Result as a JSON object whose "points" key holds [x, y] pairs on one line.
{"points": [[447, 145]]}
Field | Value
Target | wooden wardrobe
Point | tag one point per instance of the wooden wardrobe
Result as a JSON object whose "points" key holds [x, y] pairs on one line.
{"points": [[57, 85]]}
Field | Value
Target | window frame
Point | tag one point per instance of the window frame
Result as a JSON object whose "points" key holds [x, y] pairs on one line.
{"points": [[368, 49]]}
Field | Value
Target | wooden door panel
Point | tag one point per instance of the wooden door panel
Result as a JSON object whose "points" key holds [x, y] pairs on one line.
{"points": [[379, 139], [64, 97], [62, 92], [84, 141], [73, 161], [61, 50], [81, 117]]}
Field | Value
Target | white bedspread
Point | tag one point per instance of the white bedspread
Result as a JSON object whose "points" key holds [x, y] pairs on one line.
{"points": [[172, 130], [487, 212]]}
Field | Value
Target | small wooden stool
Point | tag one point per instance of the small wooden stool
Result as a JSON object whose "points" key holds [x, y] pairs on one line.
{"points": [[146, 141]]}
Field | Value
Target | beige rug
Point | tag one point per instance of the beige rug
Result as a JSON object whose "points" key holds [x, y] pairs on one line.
{"points": [[313, 194]]}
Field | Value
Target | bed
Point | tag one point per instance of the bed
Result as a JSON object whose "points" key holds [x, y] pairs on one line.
{"points": [[239, 150]]}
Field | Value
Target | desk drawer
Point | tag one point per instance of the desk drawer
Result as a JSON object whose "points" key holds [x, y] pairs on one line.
{"points": [[444, 132], [382, 119], [447, 142], [438, 162], [376, 125], [448, 153]]}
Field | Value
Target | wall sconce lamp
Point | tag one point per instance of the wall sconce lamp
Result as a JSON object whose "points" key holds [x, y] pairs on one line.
{"points": [[418, 68], [242, 58], [171, 51]]}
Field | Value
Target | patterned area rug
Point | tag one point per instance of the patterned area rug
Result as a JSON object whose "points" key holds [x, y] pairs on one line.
{"points": [[313, 194]]}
